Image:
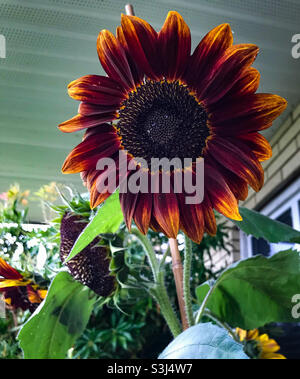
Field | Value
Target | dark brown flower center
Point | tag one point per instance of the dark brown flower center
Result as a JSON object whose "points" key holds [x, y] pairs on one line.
{"points": [[161, 124], [91, 266], [163, 120]]}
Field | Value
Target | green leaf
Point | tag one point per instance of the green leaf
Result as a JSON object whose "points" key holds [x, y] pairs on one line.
{"points": [[204, 341], [255, 291], [107, 220], [58, 321], [261, 226]]}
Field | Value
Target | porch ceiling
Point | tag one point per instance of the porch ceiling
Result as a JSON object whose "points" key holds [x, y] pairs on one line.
{"points": [[51, 42]]}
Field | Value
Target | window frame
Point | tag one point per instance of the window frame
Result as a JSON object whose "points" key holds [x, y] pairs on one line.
{"points": [[288, 198]]}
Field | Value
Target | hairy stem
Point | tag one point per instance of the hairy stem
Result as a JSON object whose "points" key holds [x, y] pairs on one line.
{"points": [[178, 276], [166, 307], [164, 257], [159, 291], [144, 241], [187, 265]]}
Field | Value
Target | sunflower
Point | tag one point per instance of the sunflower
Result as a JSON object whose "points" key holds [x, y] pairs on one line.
{"points": [[19, 291], [91, 266], [259, 345], [170, 103]]}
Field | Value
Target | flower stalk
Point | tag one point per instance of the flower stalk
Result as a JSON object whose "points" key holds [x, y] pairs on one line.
{"points": [[129, 10], [158, 291], [178, 276], [203, 305], [187, 266]]}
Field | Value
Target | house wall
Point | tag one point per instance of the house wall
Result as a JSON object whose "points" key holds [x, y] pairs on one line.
{"points": [[280, 170]]}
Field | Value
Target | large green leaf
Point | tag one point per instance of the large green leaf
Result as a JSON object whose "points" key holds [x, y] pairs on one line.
{"points": [[261, 226], [59, 321], [204, 341], [255, 291], [107, 220]]}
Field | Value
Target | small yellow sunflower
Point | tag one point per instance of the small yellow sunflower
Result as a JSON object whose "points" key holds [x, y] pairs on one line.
{"points": [[259, 345]]}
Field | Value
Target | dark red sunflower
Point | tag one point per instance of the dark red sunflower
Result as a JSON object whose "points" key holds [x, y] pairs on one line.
{"points": [[169, 102], [18, 291]]}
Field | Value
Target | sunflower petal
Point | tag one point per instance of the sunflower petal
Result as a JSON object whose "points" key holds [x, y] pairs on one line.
{"points": [[227, 71], [96, 197], [82, 93], [271, 356], [142, 45], [42, 293], [8, 272], [6, 283], [113, 59], [207, 53], [268, 345], [237, 185], [175, 45], [191, 219], [80, 122], [220, 194], [166, 210], [88, 109], [103, 129], [154, 225], [210, 225], [128, 202], [142, 213], [86, 155], [136, 72], [97, 179], [251, 113], [241, 333], [248, 83], [33, 296], [95, 89], [258, 145], [252, 334], [240, 161]]}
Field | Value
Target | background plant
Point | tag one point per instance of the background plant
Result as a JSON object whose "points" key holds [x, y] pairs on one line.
{"points": [[131, 324], [137, 328]]}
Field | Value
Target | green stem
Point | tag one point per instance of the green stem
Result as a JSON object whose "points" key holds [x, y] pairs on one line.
{"points": [[222, 325], [203, 305], [187, 265], [164, 302], [164, 257], [144, 241], [159, 292]]}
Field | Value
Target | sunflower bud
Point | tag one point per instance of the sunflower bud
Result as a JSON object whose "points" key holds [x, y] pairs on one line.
{"points": [[91, 266]]}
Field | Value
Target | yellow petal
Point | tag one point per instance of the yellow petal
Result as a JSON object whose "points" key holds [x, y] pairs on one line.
{"points": [[242, 334], [271, 356], [12, 283]]}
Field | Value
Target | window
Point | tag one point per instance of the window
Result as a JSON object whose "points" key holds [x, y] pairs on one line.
{"points": [[284, 208]]}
